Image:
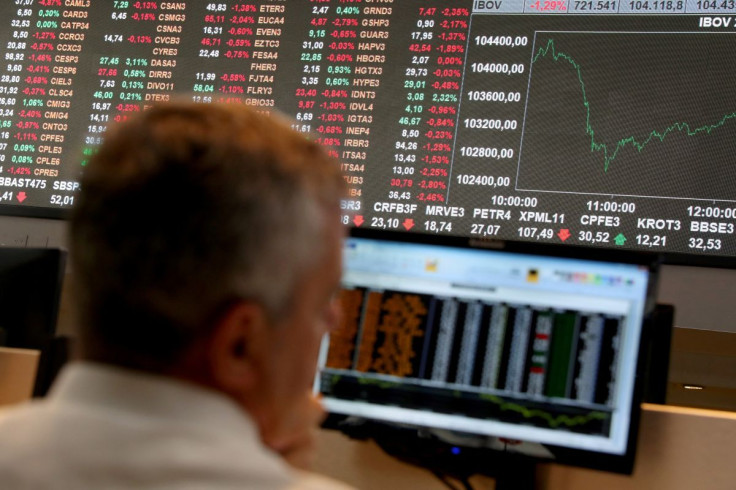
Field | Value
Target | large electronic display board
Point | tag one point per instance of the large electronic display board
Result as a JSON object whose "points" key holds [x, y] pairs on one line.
{"points": [[603, 123]]}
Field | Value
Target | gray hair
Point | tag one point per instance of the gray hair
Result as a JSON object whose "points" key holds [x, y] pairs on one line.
{"points": [[185, 209]]}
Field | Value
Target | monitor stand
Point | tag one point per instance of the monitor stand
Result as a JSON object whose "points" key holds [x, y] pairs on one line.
{"points": [[515, 471], [447, 461]]}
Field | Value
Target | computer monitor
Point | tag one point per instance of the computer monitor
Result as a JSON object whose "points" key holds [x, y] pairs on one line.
{"points": [[30, 290], [519, 348]]}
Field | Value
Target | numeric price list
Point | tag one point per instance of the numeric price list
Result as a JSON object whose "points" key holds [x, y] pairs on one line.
{"points": [[525, 120]]}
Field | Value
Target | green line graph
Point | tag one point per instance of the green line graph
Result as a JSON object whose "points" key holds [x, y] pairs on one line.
{"points": [[611, 150], [553, 421]]}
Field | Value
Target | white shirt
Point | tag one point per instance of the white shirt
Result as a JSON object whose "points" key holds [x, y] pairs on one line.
{"points": [[103, 427]]}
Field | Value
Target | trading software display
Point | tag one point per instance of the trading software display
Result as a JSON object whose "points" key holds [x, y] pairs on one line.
{"points": [[603, 123], [527, 348]]}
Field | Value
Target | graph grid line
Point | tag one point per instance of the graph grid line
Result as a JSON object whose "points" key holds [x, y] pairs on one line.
{"points": [[550, 50]]}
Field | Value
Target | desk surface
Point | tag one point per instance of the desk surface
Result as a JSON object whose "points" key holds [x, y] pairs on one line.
{"points": [[17, 374], [679, 448]]}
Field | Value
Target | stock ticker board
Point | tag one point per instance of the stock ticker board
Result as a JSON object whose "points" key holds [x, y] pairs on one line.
{"points": [[589, 122]]}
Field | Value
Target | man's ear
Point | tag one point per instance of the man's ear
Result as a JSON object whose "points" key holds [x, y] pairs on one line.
{"points": [[235, 344]]}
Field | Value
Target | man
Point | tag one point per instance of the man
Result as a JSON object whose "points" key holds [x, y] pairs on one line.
{"points": [[205, 248]]}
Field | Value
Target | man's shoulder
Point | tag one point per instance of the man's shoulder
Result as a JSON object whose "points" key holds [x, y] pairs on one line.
{"points": [[17, 418], [313, 481], [11, 413], [23, 438]]}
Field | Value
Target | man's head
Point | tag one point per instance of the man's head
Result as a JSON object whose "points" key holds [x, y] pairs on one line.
{"points": [[202, 227]]}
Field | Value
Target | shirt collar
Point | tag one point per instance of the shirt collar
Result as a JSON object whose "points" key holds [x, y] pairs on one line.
{"points": [[154, 396]]}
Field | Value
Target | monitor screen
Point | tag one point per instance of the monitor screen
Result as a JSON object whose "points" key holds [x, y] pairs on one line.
{"points": [[541, 350], [594, 123]]}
